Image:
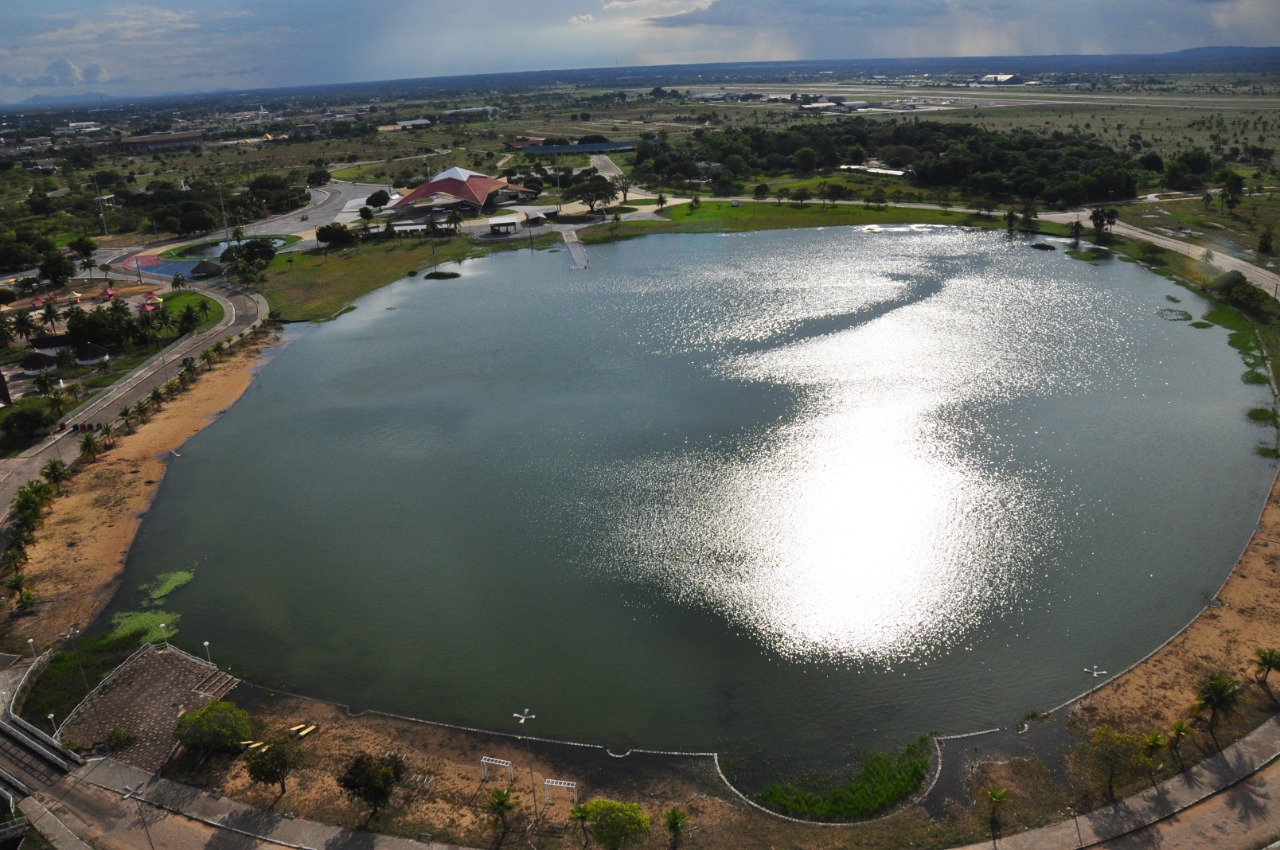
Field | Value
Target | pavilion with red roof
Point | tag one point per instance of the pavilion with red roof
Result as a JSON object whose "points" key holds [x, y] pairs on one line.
{"points": [[459, 187]]}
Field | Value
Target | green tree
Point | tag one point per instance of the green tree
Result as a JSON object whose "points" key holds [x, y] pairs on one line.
{"points": [[499, 806], [615, 825], [1264, 241], [378, 199], [1219, 694], [801, 195], [1098, 218], [1264, 661], [56, 472], [662, 200], [216, 727], [179, 282], [272, 763], [582, 817], [997, 797], [334, 235], [761, 191], [1180, 731], [57, 268], [1112, 756], [366, 216], [675, 821], [594, 191], [371, 779], [1151, 746]]}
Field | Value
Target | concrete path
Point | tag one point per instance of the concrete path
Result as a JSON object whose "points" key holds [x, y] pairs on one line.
{"points": [[90, 803]]}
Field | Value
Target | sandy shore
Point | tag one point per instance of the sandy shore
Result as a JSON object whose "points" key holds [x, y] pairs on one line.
{"points": [[78, 557]]}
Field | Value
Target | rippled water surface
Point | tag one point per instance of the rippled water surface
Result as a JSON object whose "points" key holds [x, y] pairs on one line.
{"points": [[783, 494]]}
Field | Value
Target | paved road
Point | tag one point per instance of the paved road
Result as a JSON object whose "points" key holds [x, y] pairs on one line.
{"points": [[242, 310]]}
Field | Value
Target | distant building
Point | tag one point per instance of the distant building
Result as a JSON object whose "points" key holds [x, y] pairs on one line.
{"points": [[473, 113], [161, 142], [460, 187], [1000, 80], [414, 124]]}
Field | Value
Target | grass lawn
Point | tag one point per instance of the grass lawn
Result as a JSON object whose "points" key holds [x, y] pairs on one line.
{"points": [[319, 284], [176, 302], [722, 216]]}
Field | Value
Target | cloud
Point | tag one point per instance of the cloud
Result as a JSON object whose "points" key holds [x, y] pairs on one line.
{"points": [[583, 19], [60, 73]]}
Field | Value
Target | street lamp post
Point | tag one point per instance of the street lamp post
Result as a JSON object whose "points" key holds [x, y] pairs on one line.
{"points": [[206, 653], [53, 726], [32, 644], [164, 635]]}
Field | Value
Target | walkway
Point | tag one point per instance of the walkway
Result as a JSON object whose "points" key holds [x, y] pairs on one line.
{"points": [[90, 804], [576, 250], [242, 311]]}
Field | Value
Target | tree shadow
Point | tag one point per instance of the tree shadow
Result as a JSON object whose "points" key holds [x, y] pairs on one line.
{"points": [[256, 822], [1248, 802]]}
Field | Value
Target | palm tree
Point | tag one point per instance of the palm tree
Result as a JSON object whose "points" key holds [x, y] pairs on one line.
{"points": [[237, 234], [57, 400], [997, 796], [14, 558], [55, 472], [49, 316], [24, 325], [1266, 660], [76, 391], [454, 220], [1219, 694], [142, 408], [675, 819], [17, 583], [156, 397], [581, 815], [499, 806], [1152, 745], [88, 265], [205, 307], [127, 416], [90, 445], [1180, 730], [108, 432], [207, 357], [179, 282]]}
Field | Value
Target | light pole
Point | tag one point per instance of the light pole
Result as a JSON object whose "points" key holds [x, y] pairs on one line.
{"points": [[54, 727], [32, 644], [164, 635], [134, 794], [70, 635], [206, 653]]}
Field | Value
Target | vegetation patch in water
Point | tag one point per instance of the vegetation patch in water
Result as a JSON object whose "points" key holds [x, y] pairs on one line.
{"points": [[1169, 314], [441, 275], [881, 782], [1264, 416]]}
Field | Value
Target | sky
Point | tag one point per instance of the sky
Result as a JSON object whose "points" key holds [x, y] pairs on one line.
{"points": [[117, 47]]}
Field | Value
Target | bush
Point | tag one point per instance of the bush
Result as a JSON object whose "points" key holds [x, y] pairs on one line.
{"points": [[1235, 289], [883, 781], [218, 727], [120, 738]]}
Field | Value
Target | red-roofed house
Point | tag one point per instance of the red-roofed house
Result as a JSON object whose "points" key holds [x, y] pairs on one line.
{"points": [[465, 188]]}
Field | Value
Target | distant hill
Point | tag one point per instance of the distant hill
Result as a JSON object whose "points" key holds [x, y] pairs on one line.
{"points": [[1198, 60]]}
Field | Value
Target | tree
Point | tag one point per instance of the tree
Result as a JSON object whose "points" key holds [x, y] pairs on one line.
{"points": [[622, 184], [1112, 756], [1218, 694], [272, 763], [499, 806], [24, 325], [335, 235], [615, 825], [674, 819], [366, 216], [579, 815], [595, 191], [761, 191], [1177, 733], [58, 401], [1152, 745], [801, 195], [1266, 660], [57, 268], [90, 445], [662, 200], [997, 797], [1098, 218], [55, 472], [454, 220], [179, 282], [216, 727], [1264, 241], [378, 199], [371, 779]]}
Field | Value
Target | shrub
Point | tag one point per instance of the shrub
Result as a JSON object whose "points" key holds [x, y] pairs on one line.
{"points": [[882, 781], [217, 727]]}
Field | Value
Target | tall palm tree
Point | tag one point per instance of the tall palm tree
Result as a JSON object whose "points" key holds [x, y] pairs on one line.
{"points": [[207, 357], [1151, 746], [204, 308], [1219, 694], [58, 400], [108, 432], [55, 472], [1177, 733], [88, 265], [237, 234], [76, 390], [127, 416], [454, 220], [142, 408], [49, 315], [499, 806], [24, 325], [156, 397], [179, 282], [90, 445]]}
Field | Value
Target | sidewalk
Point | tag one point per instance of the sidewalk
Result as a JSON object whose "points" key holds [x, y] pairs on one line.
{"points": [[257, 827]]}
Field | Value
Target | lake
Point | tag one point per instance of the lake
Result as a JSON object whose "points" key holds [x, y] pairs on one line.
{"points": [[784, 495]]}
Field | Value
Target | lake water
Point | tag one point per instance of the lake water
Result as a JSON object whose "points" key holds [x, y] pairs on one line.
{"points": [[781, 494]]}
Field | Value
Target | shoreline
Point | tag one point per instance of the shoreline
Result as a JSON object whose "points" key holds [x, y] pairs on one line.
{"points": [[97, 520]]}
